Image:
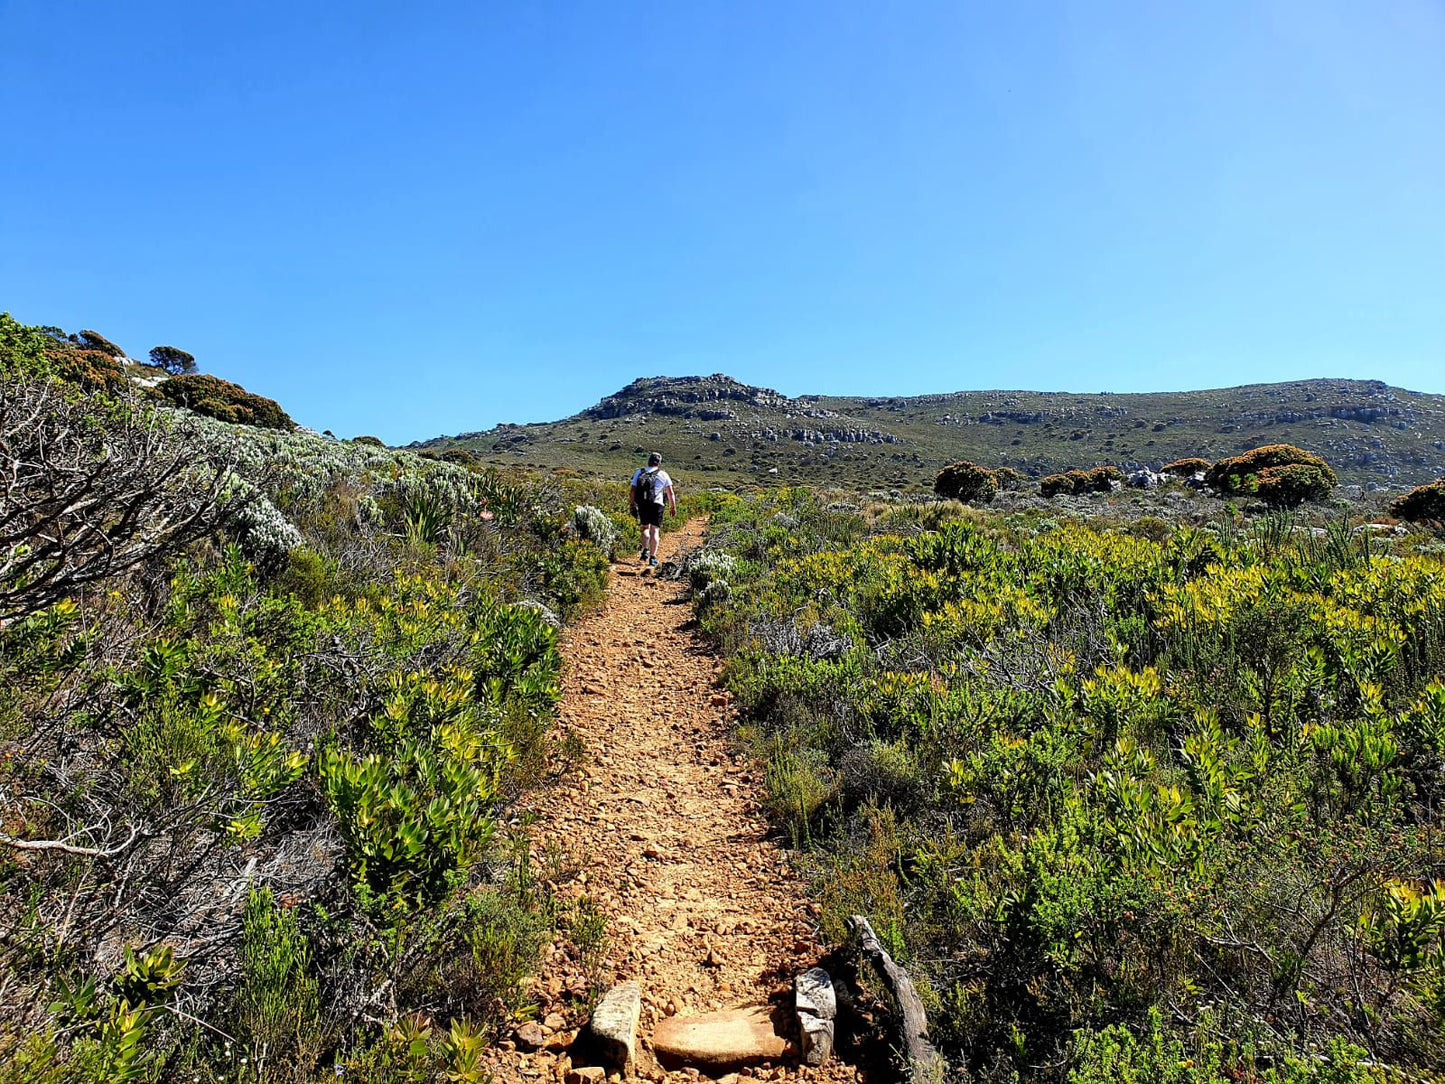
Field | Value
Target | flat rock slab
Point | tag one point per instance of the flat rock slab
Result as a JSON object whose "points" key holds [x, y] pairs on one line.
{"points": [[720, 1040]]}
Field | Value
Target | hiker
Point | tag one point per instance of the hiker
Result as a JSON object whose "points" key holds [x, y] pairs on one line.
{"points": [[651, 488]]}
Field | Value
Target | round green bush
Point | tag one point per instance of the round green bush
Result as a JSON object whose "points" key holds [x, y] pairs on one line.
{"points": [[217, 398], [1239, 474], [1423, 504], [1189, 465], [965, 481], [1291, 485], [1102, 479]]}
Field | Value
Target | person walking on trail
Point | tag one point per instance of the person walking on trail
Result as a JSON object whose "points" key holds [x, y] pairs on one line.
{"points": [[651, 490]]}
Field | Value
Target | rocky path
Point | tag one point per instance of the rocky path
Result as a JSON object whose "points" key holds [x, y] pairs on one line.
{"points": [[662, 830]]}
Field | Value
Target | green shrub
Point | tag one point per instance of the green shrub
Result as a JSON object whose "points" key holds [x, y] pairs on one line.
{"points": [[217, 398], [1423, 504], [503, 934], [410, 820], [1052, 485], [1095, 480], [1103, 479], [1187, 467], [276, 1010], [94, 340], [173, 360], [967, 482], [1291, 485], [375, 442], [1038, 753], [1008, 478], [307, 577], [1238, 474]]}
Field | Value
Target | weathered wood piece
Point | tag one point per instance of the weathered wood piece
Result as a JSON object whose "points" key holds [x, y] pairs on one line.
{"points": [[925, 1064]]}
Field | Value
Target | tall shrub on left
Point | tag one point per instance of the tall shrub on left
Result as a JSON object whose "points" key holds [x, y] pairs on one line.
{"points": [[94, 484]]}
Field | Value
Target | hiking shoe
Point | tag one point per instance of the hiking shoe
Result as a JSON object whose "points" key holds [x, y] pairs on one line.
{"points": [[643, 557], [652, 561]]}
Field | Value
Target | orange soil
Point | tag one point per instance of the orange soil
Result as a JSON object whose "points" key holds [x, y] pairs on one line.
{"points": [[663, 818]]}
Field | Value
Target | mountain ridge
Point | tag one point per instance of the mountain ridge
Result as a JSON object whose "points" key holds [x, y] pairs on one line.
{"points": [[1374, 434]]}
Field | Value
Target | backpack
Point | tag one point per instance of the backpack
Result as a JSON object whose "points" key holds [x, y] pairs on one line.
{"points": [[649, 486]]}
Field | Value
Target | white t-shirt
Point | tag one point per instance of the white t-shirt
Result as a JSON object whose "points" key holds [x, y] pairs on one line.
{"points": [[664, 483]]}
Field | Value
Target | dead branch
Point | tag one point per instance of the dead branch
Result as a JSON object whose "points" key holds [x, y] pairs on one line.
{"points": [[925, 1064]]}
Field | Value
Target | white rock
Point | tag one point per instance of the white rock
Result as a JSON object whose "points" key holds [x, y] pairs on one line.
{"points": [[817, 1005], [815, 1038], [814, 994], [614, 1023]]}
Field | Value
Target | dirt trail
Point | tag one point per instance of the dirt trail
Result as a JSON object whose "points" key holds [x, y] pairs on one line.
{"points": [[702, 907]]}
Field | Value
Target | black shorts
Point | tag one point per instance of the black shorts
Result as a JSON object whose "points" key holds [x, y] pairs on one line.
{"points": [[649, 514]]}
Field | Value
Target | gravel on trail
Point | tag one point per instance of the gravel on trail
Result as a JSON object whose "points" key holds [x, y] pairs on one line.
{"points": [[662, 829]]}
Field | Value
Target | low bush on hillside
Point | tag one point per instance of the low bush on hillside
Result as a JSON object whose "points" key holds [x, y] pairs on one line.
{"points": [[1291, 485], [1096, 480], [1053, 485], [1187, 467], [225, 401], [1423, 504], [94, 340], [967, 482], [1140, 806], [1241, 473], [1008, 478], [264, 712]]}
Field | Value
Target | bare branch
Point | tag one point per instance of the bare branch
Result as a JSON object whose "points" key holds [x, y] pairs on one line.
{"points": [[70, 848]]}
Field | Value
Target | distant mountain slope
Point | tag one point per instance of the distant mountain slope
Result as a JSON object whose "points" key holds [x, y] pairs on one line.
{"points": [[715, 429]]}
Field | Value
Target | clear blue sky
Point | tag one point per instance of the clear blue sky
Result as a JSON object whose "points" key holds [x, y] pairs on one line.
{"points": [[409, 219]]}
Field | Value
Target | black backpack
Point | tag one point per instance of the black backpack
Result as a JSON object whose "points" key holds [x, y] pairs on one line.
{"points": [[649, 486]]}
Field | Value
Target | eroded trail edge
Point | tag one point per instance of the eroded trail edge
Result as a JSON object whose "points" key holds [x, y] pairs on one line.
{"points": [[661, 828]]}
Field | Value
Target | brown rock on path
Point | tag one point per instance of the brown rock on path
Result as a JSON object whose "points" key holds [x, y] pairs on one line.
{"points": [[703, 908], [720, 1040]]}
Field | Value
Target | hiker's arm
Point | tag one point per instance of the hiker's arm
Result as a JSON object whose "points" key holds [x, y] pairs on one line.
{"points": [[672, 501]]}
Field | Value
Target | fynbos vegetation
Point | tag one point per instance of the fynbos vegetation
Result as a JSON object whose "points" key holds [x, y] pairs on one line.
{"points": [[267, 698], [1131, 808]]}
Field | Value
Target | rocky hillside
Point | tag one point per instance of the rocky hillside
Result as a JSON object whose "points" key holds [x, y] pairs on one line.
{"points": [[719, 430]]}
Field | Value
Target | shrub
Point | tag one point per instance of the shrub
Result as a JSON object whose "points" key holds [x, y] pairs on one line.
{"points": [[94, 340], [1423, 504], [376, 442], [965, 481], [1037, 755], [1184, 468], [93, 370], [410, 820], [1102, 479], [276, 1014], [217, 398], [173, 360], [1054, 484], [1008, 478], [1098, 480], [1238, 474], [1291, 485], [592, 524]]}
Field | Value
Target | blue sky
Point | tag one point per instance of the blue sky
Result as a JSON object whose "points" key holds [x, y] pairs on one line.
{"points": [[414, 219]]}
